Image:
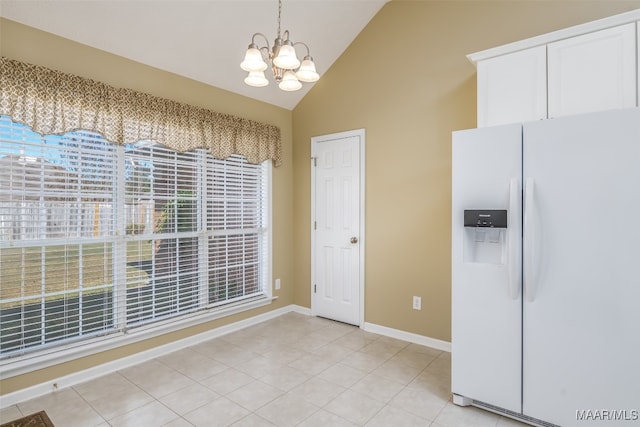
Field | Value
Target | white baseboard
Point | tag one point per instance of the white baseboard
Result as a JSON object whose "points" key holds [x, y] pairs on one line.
{"points": [[57, 355], [408, 336], [300, 309], [125, 362]]}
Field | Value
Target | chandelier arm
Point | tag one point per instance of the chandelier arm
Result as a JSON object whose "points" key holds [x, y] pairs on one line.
{"points": [[303, 44], [266, 40]]}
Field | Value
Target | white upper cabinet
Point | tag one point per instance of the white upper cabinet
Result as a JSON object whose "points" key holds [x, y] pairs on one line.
{"points": [[593, 72], [586, 68], [513, 88]]}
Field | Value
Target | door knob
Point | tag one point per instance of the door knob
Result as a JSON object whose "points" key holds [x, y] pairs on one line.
{"points": [[354, 240]]}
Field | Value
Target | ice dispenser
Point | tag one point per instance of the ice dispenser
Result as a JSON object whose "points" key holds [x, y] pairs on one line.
{"points": [[485, 236]]}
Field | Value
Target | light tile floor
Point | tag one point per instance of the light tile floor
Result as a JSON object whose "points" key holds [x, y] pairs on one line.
{"points": [[294, 370]]}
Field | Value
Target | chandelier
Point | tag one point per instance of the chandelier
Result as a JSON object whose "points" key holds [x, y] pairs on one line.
{"points": [[287, 69]]}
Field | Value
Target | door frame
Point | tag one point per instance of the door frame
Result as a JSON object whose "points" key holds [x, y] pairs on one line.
{"points": [[360, 133]]}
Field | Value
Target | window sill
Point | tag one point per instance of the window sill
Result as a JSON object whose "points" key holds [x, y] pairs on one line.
{"points": [[19, 365]]}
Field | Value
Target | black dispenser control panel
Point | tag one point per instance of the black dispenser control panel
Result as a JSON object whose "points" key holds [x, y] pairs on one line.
{"points": [[485, 218]]}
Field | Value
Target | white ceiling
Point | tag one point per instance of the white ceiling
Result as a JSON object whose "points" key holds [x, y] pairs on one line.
{"points": [[204, 40]]}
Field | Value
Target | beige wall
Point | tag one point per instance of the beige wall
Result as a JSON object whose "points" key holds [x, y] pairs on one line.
{"points": [[37, 47], [408, 111]]}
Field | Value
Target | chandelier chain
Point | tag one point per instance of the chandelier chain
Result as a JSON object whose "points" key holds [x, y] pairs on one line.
{"points": [[279, 14]]}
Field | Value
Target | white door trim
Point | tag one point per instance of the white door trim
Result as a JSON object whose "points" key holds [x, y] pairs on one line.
{"points": [[360, 133]]}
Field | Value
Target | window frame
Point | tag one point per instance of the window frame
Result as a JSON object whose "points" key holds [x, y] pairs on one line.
{"points": [[48, 355]]}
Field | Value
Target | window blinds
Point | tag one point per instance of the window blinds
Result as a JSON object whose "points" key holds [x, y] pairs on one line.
{"points": [[97, 238]]}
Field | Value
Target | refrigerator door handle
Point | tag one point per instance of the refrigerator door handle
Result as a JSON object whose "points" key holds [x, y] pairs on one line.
{"points": [[514, 240], [529, 240]]}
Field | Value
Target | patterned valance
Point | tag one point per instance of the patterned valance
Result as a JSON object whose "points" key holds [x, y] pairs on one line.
{"points": [[52, 102]]}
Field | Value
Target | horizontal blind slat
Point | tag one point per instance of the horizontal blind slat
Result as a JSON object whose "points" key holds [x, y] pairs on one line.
{"points": [[61, 246]]}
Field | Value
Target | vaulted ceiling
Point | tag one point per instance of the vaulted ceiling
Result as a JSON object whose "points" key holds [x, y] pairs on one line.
{"points": [[204, 40]]}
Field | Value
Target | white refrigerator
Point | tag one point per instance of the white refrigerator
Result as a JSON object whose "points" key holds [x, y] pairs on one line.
{"points": [[546, 269]]}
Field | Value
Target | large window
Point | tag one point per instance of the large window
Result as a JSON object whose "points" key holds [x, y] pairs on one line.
{"points": [[98, 238]]}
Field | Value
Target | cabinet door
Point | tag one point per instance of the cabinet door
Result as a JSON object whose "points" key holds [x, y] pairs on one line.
{"points": [[593, 72], [513, 88]]}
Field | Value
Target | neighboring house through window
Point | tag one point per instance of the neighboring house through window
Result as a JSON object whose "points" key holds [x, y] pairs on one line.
{"points": [[98, 238]]}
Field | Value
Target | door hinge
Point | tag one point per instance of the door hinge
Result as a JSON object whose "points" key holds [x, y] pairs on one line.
{"points": [[314, 289], [315, 225], [315, 161]]}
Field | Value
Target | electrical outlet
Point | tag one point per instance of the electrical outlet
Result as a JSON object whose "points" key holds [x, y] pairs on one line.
{"points": [[277, 284], [417, 303]]}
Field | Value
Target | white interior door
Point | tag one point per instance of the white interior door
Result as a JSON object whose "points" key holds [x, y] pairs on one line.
{"points": [[337, 226]]}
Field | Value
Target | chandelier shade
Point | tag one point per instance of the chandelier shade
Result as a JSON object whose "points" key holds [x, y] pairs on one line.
{"points": [[307, 72], [286, 58], [286, 68], [256, 79], [289, 82], [253, 60]]}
